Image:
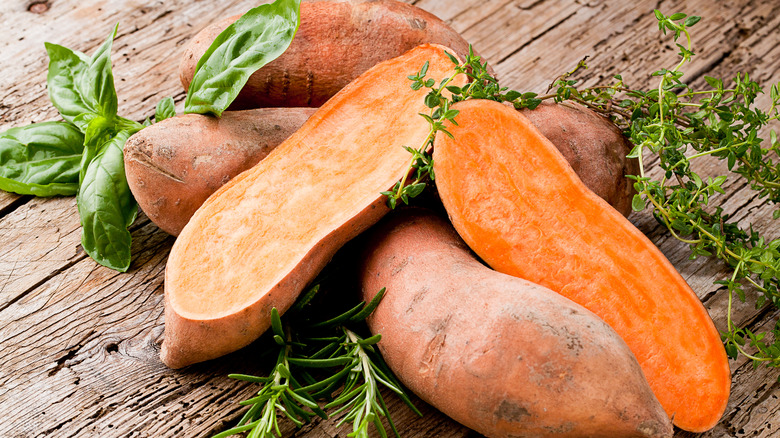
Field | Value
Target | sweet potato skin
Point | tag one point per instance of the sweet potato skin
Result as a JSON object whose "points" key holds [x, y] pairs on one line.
{"points": [[262, 237], [173, 166], [337, 41], [594, 147], [502, 356], [542, 224]]}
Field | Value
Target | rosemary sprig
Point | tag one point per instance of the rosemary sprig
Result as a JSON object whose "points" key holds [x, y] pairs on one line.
{"points": [[360, 395], [322, 360], [679, 125], [280, 394]]}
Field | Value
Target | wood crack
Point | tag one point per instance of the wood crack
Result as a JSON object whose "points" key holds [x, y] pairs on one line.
{"points": [[534, 38], [48, 277], [13, 205]]}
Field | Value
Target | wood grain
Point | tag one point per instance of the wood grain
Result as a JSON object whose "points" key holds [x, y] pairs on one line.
{"points": [[81, 342]]}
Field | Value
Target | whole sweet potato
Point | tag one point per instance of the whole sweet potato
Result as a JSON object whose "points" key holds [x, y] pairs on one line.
{"points": [[174, 165], [593, 146], [337, 41], [498, 354]]}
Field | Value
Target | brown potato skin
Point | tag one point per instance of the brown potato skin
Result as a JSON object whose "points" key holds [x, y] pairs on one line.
{"points": [[496, 353], [173, 166], [337, 41], [593, 146]]}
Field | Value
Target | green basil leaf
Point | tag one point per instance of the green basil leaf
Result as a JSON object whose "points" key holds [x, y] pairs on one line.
{"points": [[255, 39], [98, 132], [97, 81], [66, 68], [107, 207], [41, 159], [165, 109]]}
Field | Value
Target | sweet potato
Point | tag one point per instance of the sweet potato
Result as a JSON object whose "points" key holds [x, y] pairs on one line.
{"points": [[174, 165], [522, 209], [337, 41], [593, 146], [498, 354], [257, 241]]}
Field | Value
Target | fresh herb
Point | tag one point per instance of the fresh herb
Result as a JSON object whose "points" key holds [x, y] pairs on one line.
{"points": [[83, 155], [165, 110], [255, 39], [42, 159], [106, 206], [321, 360], [679, 125]]}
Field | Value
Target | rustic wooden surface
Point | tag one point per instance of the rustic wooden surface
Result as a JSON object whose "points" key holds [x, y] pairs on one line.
{"points": [[80, 342]]}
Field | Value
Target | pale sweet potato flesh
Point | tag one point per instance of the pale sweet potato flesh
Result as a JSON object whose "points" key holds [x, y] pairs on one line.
{"points": [[499, 354], [173, 166], [336, 42], [262, 237], [522, 209]]}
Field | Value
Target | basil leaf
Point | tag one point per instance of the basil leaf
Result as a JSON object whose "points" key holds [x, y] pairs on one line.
{"points": [[107, 207], [66, 68], [98, 132], [165, 109], [41, 159], [97, 82], [255, 39]]}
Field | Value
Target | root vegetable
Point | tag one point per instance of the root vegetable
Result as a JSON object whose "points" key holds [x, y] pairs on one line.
{"points": [[261, 238], [335, 43], [502, 356], [522, 209], [174, 165]]}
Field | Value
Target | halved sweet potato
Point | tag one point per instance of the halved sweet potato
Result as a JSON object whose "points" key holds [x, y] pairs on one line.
{"points": [[499, 354], [262, 237], [174, 165], [523, 210], [336, 42]]}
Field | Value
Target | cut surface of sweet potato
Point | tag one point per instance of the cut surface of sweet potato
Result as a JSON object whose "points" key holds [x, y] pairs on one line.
{"points": [[257, 241], [522, 209]]}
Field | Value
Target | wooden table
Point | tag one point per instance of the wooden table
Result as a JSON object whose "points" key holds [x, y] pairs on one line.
{"points": [[80, 342]]}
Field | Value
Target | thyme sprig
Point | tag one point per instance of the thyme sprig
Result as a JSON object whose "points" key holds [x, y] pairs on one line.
{"points": [[678, 125], [321, 360]]}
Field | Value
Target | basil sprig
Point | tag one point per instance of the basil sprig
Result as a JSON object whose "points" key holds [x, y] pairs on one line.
{"points": [[83, 155], [252, 41]]}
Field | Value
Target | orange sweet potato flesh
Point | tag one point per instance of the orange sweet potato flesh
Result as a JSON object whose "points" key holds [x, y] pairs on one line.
{"points": [[173, 166], [594, 147], [257, 241], [501, 355], [336, 42], [522, 209]]}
